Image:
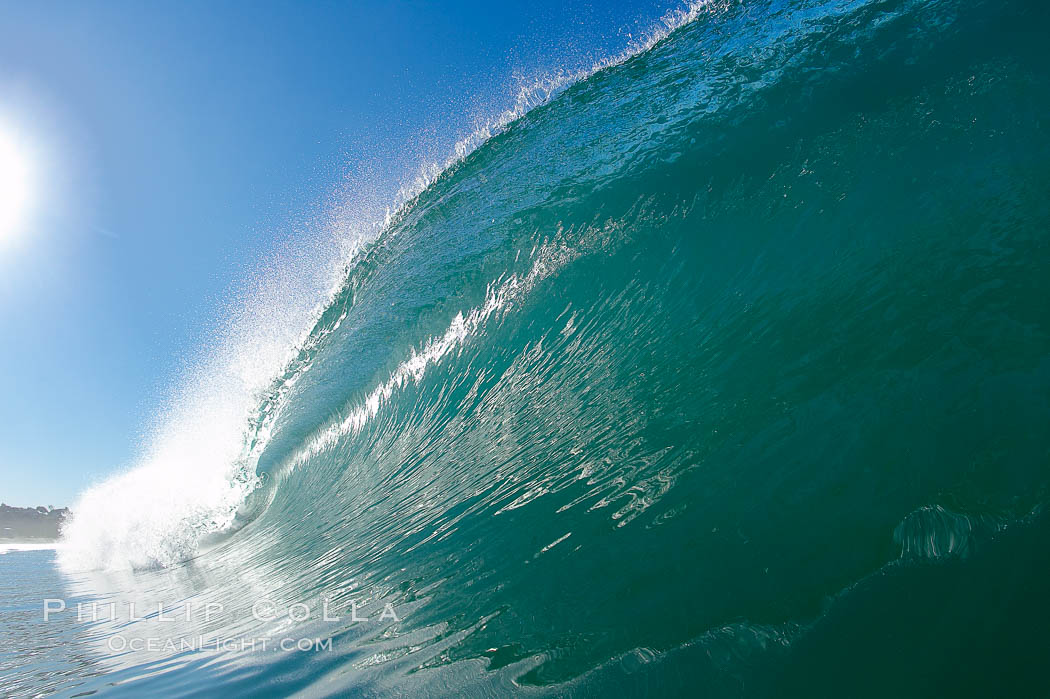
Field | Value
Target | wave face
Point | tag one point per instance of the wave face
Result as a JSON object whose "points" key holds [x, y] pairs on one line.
{"points": [[729, 328]]}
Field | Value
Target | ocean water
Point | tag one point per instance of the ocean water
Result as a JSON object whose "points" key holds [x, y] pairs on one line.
{"points": [[724, 371]]}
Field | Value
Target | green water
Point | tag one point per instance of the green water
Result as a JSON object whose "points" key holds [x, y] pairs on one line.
{"points": [[724, 373]]}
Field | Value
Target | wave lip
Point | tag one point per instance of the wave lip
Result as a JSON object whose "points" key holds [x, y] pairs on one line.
{"points": [[202, 467]]}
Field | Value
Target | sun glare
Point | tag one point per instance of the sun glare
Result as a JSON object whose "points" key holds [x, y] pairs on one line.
{"points": [[14, 186]]}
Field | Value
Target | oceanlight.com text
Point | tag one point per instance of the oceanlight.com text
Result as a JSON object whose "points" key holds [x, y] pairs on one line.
{"points": [[156, 644]]}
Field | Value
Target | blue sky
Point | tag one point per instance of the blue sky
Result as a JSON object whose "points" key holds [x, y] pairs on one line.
{"points": [[175, 145]]}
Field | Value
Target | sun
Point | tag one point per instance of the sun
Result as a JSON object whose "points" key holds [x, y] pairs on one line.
{"points": [[15, 190]]}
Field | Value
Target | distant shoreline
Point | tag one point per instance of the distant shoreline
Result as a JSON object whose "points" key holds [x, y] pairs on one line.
{"points": [[31, 525]]}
